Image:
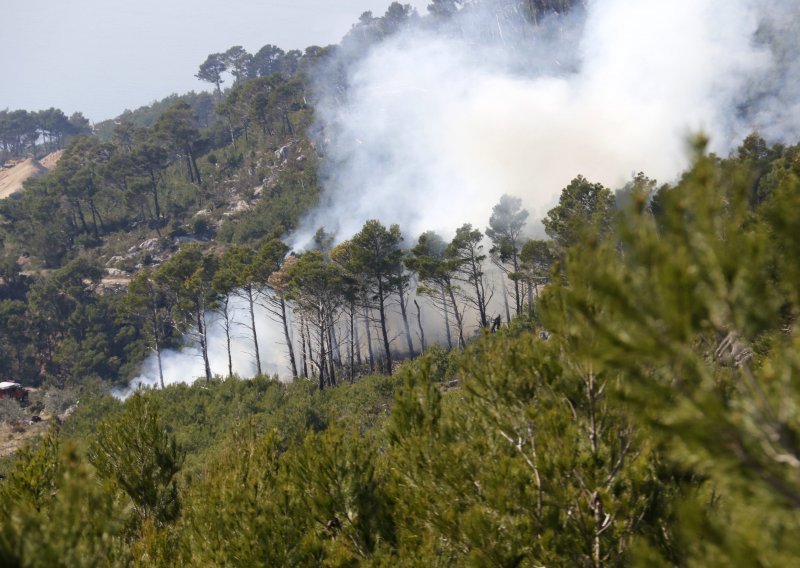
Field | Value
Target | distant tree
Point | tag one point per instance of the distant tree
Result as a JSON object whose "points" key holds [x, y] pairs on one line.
{"points": [[238, 269], [123, 135], [187, 276], [151, 158], [396, 17], [582, 208], [266, 61], [376, 255], [224, 283], [54, 127], [505, 232], [535, 10], [272, 272], [536, 260], [435, 275], [78, 174], [402, 281], [80, 124], [258, 104], [315, 286], [178, 126], [211, 71], [444, 8], [465, 252], [148, 303], [290, 63], [239, 63], [352, 293]]}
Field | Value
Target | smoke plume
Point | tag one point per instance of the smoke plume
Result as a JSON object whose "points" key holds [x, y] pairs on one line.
{"points": [[438, 122], [429, 127]]}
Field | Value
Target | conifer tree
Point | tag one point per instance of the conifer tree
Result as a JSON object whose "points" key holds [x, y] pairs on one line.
{"points": [[505, 231], [376, 256], [135, 451]]}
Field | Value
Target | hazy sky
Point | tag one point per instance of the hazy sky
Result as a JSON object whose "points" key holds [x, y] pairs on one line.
{"points": [[103, 56]]}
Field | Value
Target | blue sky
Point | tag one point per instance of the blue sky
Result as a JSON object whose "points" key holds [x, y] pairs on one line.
{"points": [[103, 56]]}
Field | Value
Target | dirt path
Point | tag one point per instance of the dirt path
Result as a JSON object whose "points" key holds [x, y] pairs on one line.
{"points": [[11, 179]]}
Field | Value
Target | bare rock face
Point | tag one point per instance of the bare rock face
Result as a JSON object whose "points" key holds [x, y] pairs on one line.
{"points": [[116, 272], [282, 153], [150, 245]]}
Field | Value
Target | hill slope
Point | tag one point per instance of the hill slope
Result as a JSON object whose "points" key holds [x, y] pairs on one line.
{"points": [[12, 179]]}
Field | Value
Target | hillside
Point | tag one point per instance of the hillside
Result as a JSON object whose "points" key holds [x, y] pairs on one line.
{"points": [[12, 178], [402, 301]]}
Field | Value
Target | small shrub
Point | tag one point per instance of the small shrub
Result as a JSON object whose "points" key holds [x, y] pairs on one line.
{"points": [[10, 411], [57, 401]]}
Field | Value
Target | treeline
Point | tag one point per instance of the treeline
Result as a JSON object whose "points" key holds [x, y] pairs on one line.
{"points": [[202, 104], [644, 413], [37, 133], [356, 307], [99, 188], [336, 305], [59, 331], [241, 65]]}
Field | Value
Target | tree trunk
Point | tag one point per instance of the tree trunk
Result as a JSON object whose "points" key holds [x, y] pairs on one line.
{"points": [[201, 330], [384, 331], [310, 348], [421, 330], [357, 339], [352, 361], [517, 292], [156, 340], [193, 164], [459, 323], [401, 291], [160, 367], [96, 217], [228, 345], [331, 361], [321, 364], [446, 320], [530, 298], [250, 303], [154, 188], [303, 346], [480, 294], [230, 131], [285, 321], [369, 341], [334, 341], [505, 301], [77, 208], [189, 171]]}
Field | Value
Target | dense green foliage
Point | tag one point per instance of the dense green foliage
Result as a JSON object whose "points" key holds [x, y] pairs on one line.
{"points": [[645, 413], [638, 405], [37, 132]]}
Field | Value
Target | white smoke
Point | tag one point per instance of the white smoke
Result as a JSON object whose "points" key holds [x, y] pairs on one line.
{"points": [[437, 125], [186, 365], [437, 122]]}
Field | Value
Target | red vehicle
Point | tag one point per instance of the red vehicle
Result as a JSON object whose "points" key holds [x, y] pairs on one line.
{"points": [[10, 389]]}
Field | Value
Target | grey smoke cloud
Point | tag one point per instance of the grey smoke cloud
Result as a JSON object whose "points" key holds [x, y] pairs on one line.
{"points": [[437, 124]]}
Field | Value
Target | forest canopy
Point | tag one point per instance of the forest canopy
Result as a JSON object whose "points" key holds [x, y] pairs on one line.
{"points": [[610, 381]]}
